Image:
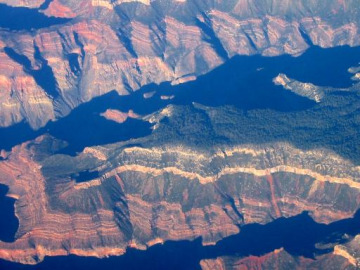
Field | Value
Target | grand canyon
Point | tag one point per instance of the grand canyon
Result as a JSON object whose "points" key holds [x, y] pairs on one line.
{"points": [[179, 134]]}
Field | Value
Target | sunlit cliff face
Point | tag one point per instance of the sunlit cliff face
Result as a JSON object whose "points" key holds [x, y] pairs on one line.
{"points": [[190, 119], [107, 45]]}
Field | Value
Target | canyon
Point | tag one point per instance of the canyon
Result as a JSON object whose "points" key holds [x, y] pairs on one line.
{"points": [[129, 129], [86, 48]]}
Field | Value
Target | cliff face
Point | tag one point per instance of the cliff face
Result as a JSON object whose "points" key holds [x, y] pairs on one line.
{"points": [[123, 45], [342, 256], [145, 196], [280, 259], [205, 170], [180, 183]]}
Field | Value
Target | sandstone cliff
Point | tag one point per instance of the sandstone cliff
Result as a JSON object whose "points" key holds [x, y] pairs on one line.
{"points": [[123, 45], [205, 170], [155, 189]]}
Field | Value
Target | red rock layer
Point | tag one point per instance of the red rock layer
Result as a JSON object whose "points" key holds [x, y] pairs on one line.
{"points": [[20, 96], [150, 195], [112, 53], [278, 260], [119, 117]]}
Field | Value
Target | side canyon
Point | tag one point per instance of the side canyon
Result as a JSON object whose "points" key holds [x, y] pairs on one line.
{"points": [[128, 127]]}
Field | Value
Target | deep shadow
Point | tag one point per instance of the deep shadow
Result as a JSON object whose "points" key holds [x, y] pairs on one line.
{"points": [[43, 76], [20, 18], [83, 127], [8, 221], [85, 176], [17, 134], [244, 82], [298, 235], [45, 5], [211, 37], [86, 127]]}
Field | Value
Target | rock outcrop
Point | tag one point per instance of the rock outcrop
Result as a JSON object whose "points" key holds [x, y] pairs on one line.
{"points": [[281, 260], [124, 45], [150, 194], [203, 171], [307, 90], [183, 182], [119, 117]]}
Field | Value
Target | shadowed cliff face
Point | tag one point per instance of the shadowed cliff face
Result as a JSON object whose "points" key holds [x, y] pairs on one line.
{"points": [[129, 124], [8, 223], [43, 76], [261, 151], [202, 172], [282, 233], [22, 18], [124, 46], [244, 83]]}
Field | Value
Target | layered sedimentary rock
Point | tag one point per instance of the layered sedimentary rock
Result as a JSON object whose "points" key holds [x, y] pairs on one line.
{"points": [[149, 192], [119, 117], [21, 97], [124, 45], [341, 256], [280, 259], [23, 3], [183, 182], [204, 171]]}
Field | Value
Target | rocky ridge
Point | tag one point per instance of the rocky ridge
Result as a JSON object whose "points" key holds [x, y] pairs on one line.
{"points": [[204, 171], [307, 90], [124, 45], [147, 194]]}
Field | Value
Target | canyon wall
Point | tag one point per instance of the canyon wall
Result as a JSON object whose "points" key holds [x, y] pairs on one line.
{"points": [[51, 68]]}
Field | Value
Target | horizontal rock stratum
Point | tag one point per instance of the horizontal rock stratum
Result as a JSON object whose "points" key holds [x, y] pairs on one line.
{"points": [[162, 187], [130, 123], [151, 202], [124, 45]]}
